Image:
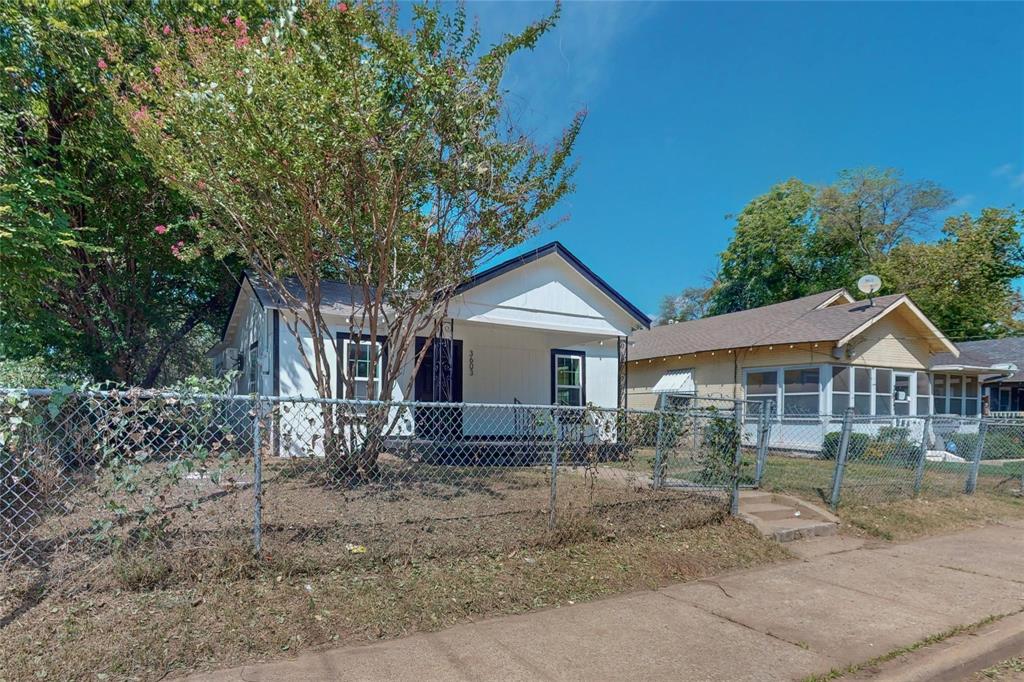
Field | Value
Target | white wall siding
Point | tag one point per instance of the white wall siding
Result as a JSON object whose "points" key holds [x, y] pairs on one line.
{"points": [[546, 294]]}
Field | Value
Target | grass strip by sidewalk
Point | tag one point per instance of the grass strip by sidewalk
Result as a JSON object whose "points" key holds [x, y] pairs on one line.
{"points": [[909, 519], [1008, 669], [213, 619], [837, 673]]}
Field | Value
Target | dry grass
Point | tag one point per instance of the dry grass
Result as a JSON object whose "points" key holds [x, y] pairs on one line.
{"points": [[1010, 669], [908, 519], [176, 616]]}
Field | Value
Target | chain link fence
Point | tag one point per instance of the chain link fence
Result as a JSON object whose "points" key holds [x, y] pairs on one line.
{"points": [[86, 478], [855, 459]]}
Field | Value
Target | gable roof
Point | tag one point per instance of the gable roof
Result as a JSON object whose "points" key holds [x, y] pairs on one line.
{"points": [[829, 316], [340, 297], [989, 353], [566, 255]]}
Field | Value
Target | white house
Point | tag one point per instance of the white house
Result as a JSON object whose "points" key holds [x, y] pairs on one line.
{"points": [[540, 328]]}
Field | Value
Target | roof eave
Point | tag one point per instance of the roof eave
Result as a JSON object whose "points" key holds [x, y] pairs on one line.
{"points": [[903, 300], [557, 248]]}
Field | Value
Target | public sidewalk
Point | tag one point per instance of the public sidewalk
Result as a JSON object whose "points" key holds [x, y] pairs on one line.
{"points": [[843, 603]]}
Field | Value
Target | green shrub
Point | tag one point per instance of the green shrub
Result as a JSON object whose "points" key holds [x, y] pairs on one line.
{"points": [[858, 445], [894, 443], [998, 444], [719, 440]]}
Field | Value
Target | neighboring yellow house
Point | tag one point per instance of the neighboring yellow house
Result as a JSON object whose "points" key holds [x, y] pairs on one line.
{"points": [[815, 355]]}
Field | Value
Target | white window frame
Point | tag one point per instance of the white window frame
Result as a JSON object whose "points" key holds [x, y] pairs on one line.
{"points": [[918, 396], [963, 397], [824, 401], [579, 359], [872, 394], [346, 345], [832, 392]]}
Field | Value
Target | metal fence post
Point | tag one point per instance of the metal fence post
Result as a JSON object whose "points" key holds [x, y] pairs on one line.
{"points": [[922, 456], [979, 446], [763, 435], [658, 450], [554, 474], [257, 478], [844, 447], [737, 461]]}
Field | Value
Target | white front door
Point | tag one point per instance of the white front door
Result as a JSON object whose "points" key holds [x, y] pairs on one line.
{"points": [[901, 393]]}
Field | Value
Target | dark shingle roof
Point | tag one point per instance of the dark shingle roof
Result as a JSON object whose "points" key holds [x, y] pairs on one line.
{"points": [[335, 295], [796, 321], [987, 353]]}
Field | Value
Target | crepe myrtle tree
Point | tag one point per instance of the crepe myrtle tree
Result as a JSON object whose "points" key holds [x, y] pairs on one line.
{"points": [[331, 142]]}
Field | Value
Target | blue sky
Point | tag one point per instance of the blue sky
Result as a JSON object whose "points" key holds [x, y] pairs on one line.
{"points": [[695, 108]]}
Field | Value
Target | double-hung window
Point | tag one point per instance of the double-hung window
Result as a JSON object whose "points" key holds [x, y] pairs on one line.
{"points": [[567, 378], [358, 369]]}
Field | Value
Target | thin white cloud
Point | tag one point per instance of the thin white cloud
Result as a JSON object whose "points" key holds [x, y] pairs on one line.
{"points": [[568, 68], [964, 201], [1001, 170]]}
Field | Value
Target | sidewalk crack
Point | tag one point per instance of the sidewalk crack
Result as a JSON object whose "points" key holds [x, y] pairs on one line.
{"points": [[979, 573], [799, 645]]}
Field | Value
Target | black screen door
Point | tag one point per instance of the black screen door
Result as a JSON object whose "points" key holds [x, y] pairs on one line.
{"points": [[439, 380]]}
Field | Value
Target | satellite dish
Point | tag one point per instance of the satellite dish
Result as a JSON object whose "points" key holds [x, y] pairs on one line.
{"points": [[869, 284]]}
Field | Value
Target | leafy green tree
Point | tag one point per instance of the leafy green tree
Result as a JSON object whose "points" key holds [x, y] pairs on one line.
{"points": [[798, 240], [964, 281], [331, 142], [866, 213], [768, 259], [689, 304], [88, 279]]}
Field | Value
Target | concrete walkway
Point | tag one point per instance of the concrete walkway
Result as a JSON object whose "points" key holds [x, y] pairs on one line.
{"points": [[845, 602]]}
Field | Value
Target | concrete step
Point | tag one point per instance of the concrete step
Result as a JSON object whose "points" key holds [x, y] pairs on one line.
{"points": [[785, 518], [772, 512], [787, 530]]}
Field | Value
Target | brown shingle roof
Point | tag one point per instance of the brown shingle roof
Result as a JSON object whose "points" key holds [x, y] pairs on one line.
{"points": [[987, 353], [796, 321]]}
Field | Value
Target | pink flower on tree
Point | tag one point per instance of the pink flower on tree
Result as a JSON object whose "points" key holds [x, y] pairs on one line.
{"points": [[201, 185], [160, 229], [167, 30], [241, 42], [176, 249], [342, 7], [156, 69], [102, 64], [240, 24]]}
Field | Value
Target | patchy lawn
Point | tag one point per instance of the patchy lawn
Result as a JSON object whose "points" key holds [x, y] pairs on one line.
{"points": [[908, 519], [169, 615], [868, 480]]}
